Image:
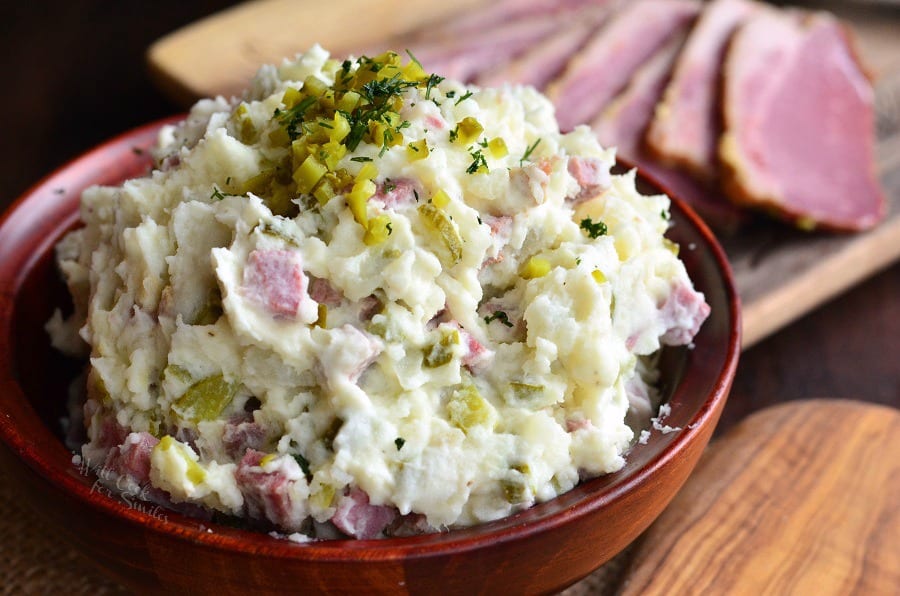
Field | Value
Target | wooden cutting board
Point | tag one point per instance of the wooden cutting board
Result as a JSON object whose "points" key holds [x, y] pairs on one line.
{"points": [[801, 498], [780, 273]]}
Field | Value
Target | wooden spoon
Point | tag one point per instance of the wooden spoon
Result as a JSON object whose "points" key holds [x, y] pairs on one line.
{"points": [[801, 498]]}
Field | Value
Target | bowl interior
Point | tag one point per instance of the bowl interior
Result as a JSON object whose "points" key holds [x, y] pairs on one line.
{"points": [[35, 377]]}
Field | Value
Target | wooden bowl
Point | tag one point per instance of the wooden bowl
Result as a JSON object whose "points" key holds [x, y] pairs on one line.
{"points": [[542, 549]]}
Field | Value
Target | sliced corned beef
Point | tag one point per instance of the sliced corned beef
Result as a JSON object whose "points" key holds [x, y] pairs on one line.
{"points": [[483, 19], [687, 123], [622, 125], [799, 123], [463, 57], [606, 64], [543, 62]]}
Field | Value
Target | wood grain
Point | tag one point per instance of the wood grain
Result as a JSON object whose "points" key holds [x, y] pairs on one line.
{"points": [[219, 54], [781, 273], [797, 499]]}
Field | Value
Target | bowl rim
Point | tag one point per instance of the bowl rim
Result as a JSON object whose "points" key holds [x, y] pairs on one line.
{"points": [[50, 466]]}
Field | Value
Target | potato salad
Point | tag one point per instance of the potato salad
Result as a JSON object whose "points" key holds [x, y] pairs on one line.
{"points": [[364, 301]]}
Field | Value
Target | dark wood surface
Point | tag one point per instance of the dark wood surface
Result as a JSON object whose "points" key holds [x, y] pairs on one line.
{"points": [[75, 75]]}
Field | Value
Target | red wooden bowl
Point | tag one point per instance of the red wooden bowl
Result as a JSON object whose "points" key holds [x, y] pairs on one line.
{"points": [[542, 549]]}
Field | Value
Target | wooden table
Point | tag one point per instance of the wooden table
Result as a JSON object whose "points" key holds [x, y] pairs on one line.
{"points": [[74, 75]]}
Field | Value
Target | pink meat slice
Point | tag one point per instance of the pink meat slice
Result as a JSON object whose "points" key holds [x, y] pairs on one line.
{"points": [[682, 314], [485, 18], [132, 457], [267, 495], [622, 125], [687, 123], [274, 279], [542, 63], [799, 136], [592, 175], [356, 517], [606, 64], [463, 57]]}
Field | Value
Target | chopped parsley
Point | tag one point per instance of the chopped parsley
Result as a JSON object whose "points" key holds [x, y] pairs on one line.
{"points": [[304, 465], [529, 151], [478, 162], [292, 118], [361, 158], [216, 195], [389, 185], [432, 82], [498, 315], [463, 97], [454, 134], [593, 229], [399, 442], [414, 59]]}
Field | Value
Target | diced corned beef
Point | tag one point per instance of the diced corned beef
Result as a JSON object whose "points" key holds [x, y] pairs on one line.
{"points": [[111, 433], [132, 457], [542, 63], [799, 124], [239, 436], [274, 278], [682, 314], [476, 356], [267, 495], [397, 193], [369, 307], [435, 122], [461, 58], [323, 292], [356, 517], [501, 231], [366, 349], [530, 181], [606, 63], [574, 424], [592, 175], [687, 123], [624, 121], [411, 524]]}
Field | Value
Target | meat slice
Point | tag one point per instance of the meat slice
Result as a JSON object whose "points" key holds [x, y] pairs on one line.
{"points": [[682, 314], [274, 279], [606, 64], [622, 125], [799, 123], [268, 495], [463, 57], [687, 124], [485, 18], [356, 517], [542, 63], [592, 175]]}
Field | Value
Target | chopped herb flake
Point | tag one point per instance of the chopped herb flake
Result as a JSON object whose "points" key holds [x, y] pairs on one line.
{"points": [[529, 151], [463, 97], [593, 229], [399, 442], [479, 163], [498, 315], [304, 465], [216, 195]]}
